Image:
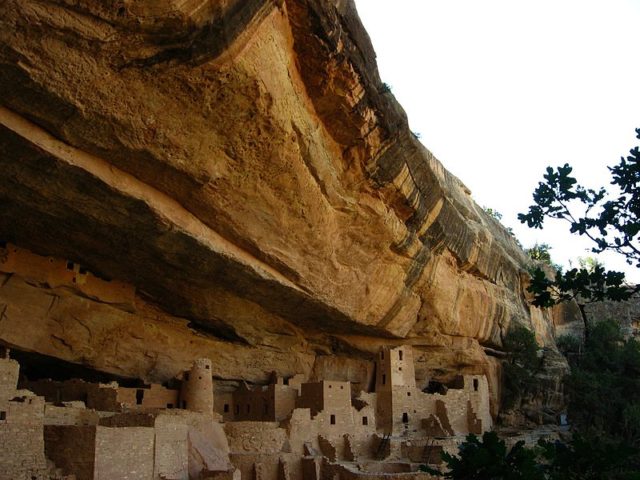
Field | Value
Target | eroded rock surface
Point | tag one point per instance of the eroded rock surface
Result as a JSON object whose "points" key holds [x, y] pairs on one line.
{"points": [[241, 166]]}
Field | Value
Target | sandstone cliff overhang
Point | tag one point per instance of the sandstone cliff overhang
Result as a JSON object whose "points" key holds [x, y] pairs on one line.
{"points": [[241, 164]]}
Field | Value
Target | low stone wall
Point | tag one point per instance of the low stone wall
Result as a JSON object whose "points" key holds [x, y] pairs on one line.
{"points": [[258, 437], [72, 449], [124, 453], [21, 440], [332, 471], [69, 415]]}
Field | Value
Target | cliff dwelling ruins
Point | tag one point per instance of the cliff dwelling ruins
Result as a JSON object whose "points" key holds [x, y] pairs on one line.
{"points": [[289, 429], [224, 254], [59, 420]]}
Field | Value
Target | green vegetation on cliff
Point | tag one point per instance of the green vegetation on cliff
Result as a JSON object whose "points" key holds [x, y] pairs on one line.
{"points": [[603, 387]]}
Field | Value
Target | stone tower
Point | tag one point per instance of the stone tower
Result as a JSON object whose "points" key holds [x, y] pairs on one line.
{"points": [[395, 368], [396, 390], [196, 393]]}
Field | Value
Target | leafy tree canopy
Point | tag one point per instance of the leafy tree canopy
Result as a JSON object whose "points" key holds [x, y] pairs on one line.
{"points": [[540, 252], [489, 458], [581, 458], [612, 222]]}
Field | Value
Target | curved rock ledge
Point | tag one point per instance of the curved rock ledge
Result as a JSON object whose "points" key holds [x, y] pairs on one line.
{"points": [[240, 165]]}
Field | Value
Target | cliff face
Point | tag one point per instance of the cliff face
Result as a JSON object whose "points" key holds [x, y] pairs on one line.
{"points": [[239, 164]]}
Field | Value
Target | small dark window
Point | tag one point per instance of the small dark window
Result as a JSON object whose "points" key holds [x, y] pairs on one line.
{"points": [[199, 378], [333, 419], [400, 368], [69, 265], [226, 408], [207, 367], [384, 379], [405, 417], [475, 384], [365, 421], [400, 354], [169, 405], [186, 376], [139, 396], [330, 386], [3, 415], [382, 354], [408, 394], [341, 387]]}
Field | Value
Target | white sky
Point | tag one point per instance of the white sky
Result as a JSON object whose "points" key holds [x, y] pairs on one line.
{"points": [[498, 90]]}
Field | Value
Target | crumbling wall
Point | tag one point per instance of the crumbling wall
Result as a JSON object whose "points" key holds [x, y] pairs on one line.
{"points": [[401, 408], [208, 444], [97, 396], [72, 449], [70, 414], [305, 429], [224, 405], [259, 437], [311, 397], [269, 403], [257, 449], [285, 397], [21, 438], [153, 396], [9, 373], [126, 453], [332, 471], [301, 429], [171, 448], [56, 272], [467, 408], [21, 427]]}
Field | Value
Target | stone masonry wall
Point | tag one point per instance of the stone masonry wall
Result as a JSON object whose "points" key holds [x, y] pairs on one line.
{"points": [[21, 438], [72, 449], [124, 453], [56, 272], [171, 448], [69, 415], [21, 422], [9, 371], [154, 396]]}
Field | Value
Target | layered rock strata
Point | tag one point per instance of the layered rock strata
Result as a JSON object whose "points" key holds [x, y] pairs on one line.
{"points": [[241, 167]]}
